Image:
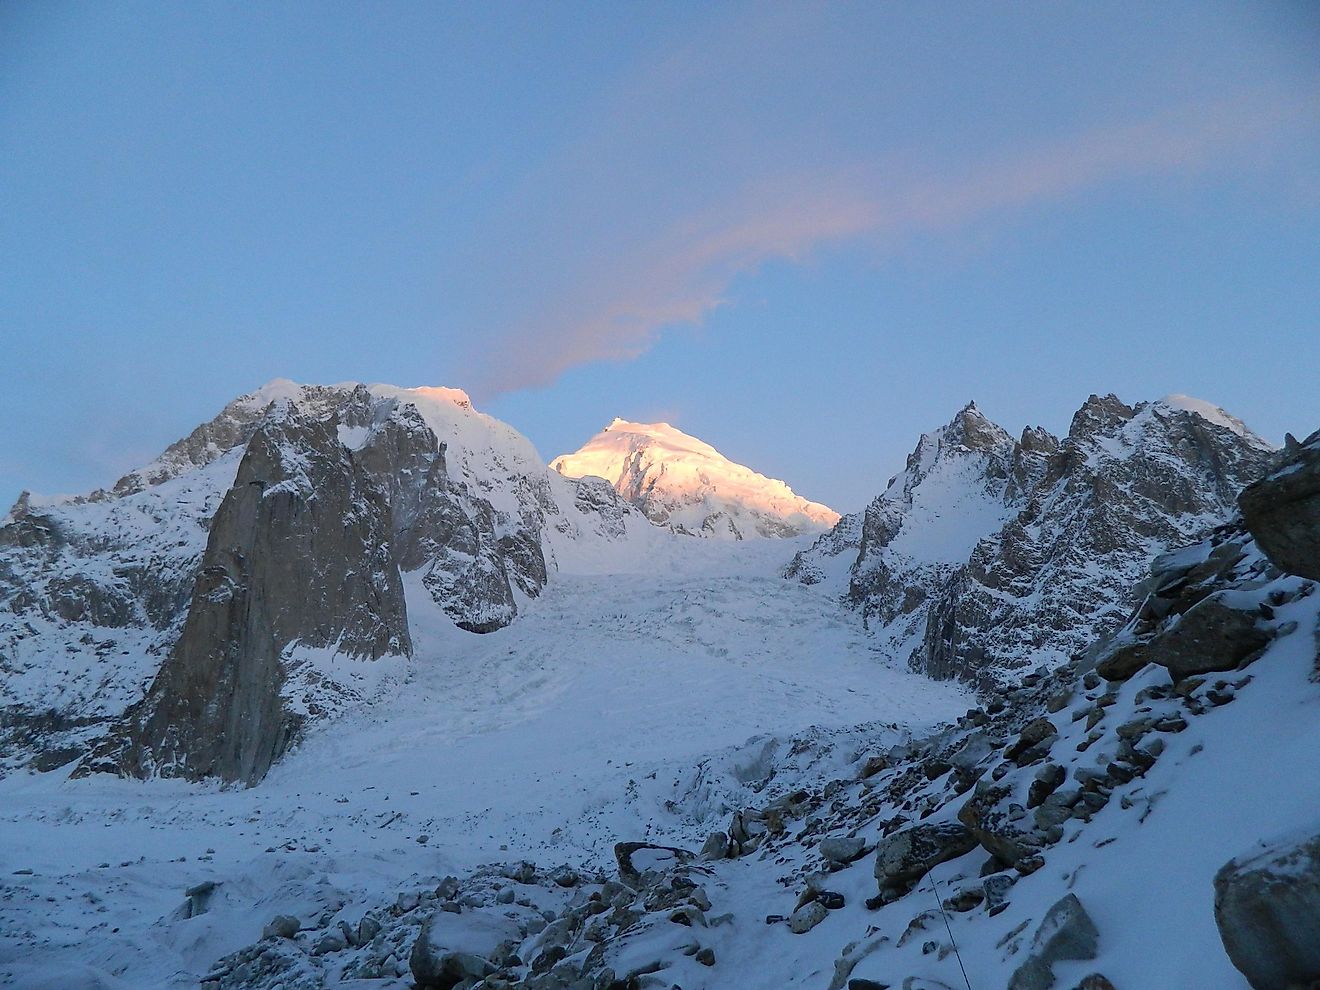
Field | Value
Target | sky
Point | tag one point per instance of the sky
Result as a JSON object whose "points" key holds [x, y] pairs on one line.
{"points": [[804, 233]]}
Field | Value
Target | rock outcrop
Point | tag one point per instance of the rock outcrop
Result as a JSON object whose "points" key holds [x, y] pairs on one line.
{"points": [[1283, 510], [298, 557]]}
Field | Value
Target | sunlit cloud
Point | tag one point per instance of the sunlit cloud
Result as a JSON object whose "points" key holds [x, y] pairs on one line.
{"points": [[621, 306]]}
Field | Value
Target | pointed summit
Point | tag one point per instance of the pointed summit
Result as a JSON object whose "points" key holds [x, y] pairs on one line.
{"points": [[973, 429], [688, 486]]}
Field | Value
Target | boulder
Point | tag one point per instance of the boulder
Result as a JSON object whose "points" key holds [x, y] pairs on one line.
{"points": [[452, 948], [842, 848], [716, 845], [905, 857], [1067, 932], [637, 859], [281, 926], [1210, 636], [1282, 511], [807, 917], [1267, 906]]}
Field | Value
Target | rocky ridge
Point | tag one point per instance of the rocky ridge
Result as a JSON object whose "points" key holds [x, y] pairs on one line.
{"points": [[989, 555]]}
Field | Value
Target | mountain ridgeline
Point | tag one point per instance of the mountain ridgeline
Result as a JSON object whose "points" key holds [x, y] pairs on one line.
{"points": [[270, 569], [989, 556]]}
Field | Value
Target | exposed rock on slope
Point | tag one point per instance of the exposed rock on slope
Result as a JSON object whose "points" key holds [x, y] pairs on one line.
{"points": [[1268, 909], [989, 555], [1282, 510], [690, 487]]}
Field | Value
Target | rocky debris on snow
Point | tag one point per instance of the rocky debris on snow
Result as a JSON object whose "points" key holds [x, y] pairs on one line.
{"points": [[1029, 770], [1282, 511], [1195, 620], [996, 553], [1267, 907]]}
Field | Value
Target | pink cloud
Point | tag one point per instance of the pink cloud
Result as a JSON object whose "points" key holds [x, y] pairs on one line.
{"points": [[619, 307]]}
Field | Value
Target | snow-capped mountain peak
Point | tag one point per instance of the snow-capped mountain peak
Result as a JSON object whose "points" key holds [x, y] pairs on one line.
{"points": [[689, 486]]}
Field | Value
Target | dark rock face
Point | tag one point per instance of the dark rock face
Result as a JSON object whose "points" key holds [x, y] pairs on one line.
{"points": [[996, 555], [299, 552], [1267, 907], [1282, 511], [452, 537]]}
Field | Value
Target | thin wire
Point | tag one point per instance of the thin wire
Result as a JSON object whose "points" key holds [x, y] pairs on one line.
{"points": [[948, 928]]}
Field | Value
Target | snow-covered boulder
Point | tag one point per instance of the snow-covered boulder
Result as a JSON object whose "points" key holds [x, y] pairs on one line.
{"points": [[1267, 906]]}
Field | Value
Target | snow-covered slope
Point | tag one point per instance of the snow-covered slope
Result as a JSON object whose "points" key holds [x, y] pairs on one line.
{"points": [[988, 556], [650, 696], [690, 487]]}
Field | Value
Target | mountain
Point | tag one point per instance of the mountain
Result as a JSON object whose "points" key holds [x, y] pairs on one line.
{"points": [[989, 555], [662, 763], [262, 572], [690, 487]]}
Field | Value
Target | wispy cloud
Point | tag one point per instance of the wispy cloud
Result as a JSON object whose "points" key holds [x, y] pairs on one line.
{"points": [[619, 308]]}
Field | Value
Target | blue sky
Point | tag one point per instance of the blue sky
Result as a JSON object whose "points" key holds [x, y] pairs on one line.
{"points": [[802, 232]]}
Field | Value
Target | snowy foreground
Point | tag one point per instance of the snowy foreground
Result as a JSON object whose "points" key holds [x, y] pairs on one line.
{"points": [[620, 706]]}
